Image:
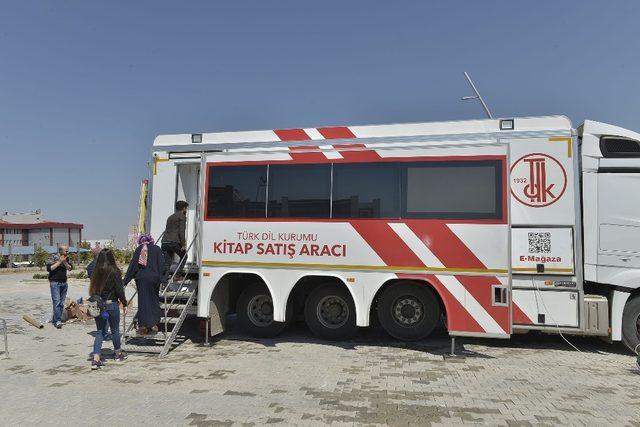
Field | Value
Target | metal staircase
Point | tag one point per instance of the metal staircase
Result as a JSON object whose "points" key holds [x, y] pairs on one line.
{"points": [[177, 301]]}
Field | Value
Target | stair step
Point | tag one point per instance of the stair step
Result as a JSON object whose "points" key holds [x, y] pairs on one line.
{"points": [[189, 283], [174, 306], [171, 320], [191, 309], [171, 294], [149, 337], [143, 348]]}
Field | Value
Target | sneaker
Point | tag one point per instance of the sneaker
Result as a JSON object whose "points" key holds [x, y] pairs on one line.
{"points": [[96, 364], [58, 325], [121, 357]]}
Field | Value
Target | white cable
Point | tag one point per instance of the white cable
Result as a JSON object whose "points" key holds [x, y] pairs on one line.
{"points": [[552, 318], [637, 348]]}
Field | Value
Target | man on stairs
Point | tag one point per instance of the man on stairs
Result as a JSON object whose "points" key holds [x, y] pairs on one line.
{"points": [[174, 241]]}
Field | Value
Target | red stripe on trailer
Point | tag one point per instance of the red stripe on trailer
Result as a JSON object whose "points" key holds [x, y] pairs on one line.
{"points": [[519, 316], [453, 253], [336, 133], [394, 251], [292, 134], [387, 244], [445, 244], [458, 318], [357, 153], [300, 154], [480, 288]]}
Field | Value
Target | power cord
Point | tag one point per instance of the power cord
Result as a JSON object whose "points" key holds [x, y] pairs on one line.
{"points": [[552, 318], [636, 350]]}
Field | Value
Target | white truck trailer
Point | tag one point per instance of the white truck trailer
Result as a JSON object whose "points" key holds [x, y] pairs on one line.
{"points": [[495, 226]]}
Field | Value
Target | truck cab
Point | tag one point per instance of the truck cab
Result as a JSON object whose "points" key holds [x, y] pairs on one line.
{"points": [[610, 175]]}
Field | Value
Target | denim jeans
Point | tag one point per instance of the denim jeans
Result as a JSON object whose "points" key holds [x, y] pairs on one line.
{"points": [[103, 325], [58, 294]]}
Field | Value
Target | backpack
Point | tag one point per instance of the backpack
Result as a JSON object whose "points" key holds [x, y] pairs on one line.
{"points": [[95, 306]]}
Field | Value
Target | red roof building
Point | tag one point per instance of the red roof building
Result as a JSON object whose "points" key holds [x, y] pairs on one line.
{"points": [[29, 230]]}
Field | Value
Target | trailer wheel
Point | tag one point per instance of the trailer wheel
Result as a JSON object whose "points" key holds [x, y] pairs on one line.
{"points": [[255, 312], [330, 313], [631, 323], [408, 311]]}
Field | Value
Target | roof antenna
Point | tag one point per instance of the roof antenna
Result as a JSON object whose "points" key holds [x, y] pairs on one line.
{"points": [[476, 96]]}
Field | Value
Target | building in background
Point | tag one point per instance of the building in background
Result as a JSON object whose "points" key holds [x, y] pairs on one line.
{"points": [[102, 243], [132, 237], [21, 233]]}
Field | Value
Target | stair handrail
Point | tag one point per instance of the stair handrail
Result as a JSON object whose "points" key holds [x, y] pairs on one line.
{"points": [[179, 290]]}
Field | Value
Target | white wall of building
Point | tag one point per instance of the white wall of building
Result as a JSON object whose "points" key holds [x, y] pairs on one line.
{"points": [[60, 236], [39, 236], [75, 237]]}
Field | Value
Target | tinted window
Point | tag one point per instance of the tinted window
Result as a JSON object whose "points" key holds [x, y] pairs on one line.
{"points": [[457, 189], [237, 191], [300, 191], [366, 190]]}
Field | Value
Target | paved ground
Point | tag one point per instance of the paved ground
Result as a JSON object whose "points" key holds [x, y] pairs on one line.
{"points": [[295, 379]]}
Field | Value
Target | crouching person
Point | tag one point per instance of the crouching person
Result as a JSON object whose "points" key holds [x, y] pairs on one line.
{"points": [[106, 283]]}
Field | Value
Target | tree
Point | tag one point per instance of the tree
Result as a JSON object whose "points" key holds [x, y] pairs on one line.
{"points": [[123, 256], [85, 257], [40, 257]]}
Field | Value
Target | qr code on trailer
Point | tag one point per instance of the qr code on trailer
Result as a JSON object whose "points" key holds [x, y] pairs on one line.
{"points": [[540, 243]]}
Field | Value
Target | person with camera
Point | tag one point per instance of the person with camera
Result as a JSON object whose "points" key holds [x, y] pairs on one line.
{"points": [[58, 283]]}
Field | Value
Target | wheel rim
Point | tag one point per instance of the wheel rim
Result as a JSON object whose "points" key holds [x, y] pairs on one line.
{"points": [[407, 311], [332, 311], [260, 310]]}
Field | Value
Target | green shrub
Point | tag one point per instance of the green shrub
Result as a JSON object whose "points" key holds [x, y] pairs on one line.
{"points": [[79, 275], [40, 257]]}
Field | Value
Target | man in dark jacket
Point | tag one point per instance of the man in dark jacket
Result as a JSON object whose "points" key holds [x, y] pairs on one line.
{"points": [[58, 283], [174, 241]]}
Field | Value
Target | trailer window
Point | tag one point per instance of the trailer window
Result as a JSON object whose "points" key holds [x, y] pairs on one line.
{"points": [[455, 189], [366, 190], [299, 191], [237, 191]]}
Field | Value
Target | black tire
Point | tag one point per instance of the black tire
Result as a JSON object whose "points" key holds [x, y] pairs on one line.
{"points": [[330, 313], [408, 311], [631, 323], [255, 312]]}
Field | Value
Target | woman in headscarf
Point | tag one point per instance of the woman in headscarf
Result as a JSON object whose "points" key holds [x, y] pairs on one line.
{"points": [[147, 268]]}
